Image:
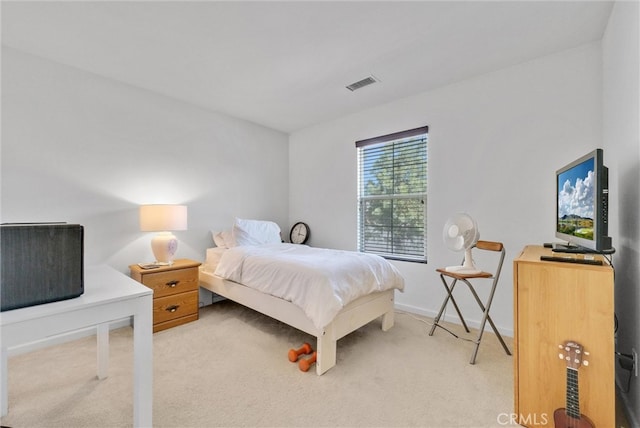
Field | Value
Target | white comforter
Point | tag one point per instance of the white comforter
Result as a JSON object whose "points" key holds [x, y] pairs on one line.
{"points": [[320, 281]]}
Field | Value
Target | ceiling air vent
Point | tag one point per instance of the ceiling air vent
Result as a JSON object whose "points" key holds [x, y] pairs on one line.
{"points": [[362, 83]]}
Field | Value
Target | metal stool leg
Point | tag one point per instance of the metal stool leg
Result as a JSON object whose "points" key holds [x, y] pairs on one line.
{"points": [[444, 305], [485, 317]]}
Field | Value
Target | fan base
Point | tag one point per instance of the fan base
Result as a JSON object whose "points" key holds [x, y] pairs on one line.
{"points": [[462, 270]]}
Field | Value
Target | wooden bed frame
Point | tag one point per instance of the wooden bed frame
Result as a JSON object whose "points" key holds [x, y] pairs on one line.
{"points": [[353, 316]]}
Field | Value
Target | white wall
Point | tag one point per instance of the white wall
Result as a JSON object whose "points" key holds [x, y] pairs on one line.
{"points": [[621, 136], [495, 142], [80, 148]]}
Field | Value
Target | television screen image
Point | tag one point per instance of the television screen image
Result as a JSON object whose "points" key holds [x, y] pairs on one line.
{"points": [[576, 209]]}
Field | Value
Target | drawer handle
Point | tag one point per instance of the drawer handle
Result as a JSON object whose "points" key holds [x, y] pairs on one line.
{"points": [[172, 308], [172, 283]]}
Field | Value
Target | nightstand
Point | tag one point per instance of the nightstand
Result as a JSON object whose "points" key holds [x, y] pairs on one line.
{"points": [[175, 292]]}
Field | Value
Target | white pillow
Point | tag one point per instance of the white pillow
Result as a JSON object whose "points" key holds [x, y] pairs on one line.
{"points": [[255, 232], [223, 239], [213, 258]]}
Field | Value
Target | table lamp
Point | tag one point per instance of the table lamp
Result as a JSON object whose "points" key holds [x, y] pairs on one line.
{"points": [[163, 219]]}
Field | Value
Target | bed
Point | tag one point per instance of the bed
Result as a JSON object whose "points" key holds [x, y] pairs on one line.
{"points": [[322, 292]]}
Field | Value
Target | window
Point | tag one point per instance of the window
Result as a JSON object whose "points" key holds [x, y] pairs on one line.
{"points": [[392, 195]]}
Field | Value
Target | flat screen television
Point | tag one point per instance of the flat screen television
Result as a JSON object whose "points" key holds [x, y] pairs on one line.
{"points": [[582, 205]]}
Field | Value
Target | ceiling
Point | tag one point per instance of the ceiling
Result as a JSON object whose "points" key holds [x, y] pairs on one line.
{"points": [[285, 65]]}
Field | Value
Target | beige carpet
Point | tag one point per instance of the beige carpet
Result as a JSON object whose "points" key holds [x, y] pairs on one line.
{"points": [[230, 368]]}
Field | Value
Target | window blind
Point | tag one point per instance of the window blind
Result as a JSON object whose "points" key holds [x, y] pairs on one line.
{"points": [[392, 195]]}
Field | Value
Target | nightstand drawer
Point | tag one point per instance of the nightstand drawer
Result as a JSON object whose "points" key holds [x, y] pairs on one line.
{"points": [[172, 282], [175, 306]]}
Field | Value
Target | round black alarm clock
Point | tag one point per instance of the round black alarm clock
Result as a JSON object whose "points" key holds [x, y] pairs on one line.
{"points": [[300, 233]]}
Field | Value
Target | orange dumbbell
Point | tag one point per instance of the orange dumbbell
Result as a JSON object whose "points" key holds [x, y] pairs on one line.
{"points": [[304, 364], [294, 354]]}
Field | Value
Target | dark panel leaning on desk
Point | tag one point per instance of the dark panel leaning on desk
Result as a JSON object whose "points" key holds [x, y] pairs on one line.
{"points": [[41, 263]]}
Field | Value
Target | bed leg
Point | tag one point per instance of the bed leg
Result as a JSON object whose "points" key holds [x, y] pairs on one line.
{"points": [[326, 348], [388, 320]]}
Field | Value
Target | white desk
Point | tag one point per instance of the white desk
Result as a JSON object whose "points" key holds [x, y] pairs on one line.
{"points": [[108, 296]]}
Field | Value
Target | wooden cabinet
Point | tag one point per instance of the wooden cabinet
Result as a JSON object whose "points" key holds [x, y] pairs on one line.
{"points": [[175, 292], [555, 302]]}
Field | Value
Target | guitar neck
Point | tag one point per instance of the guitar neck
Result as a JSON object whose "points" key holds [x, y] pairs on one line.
{"points": [[570, 417], [573, 396]]}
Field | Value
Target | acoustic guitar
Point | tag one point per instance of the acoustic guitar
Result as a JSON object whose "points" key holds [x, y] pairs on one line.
{"points": [[570, 416]]}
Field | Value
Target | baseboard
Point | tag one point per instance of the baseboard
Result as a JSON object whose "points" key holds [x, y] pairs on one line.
{"points": [[63, 338], [452, 318]]}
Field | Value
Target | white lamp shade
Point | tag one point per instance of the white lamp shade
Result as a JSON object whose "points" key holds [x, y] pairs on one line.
{"points": [[160, 218]]}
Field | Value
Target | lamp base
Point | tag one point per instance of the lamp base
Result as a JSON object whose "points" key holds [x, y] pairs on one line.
{"points": [[164, 246]]}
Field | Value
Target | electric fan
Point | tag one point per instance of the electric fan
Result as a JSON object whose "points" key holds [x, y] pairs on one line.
{"points": [[461, 233]]}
